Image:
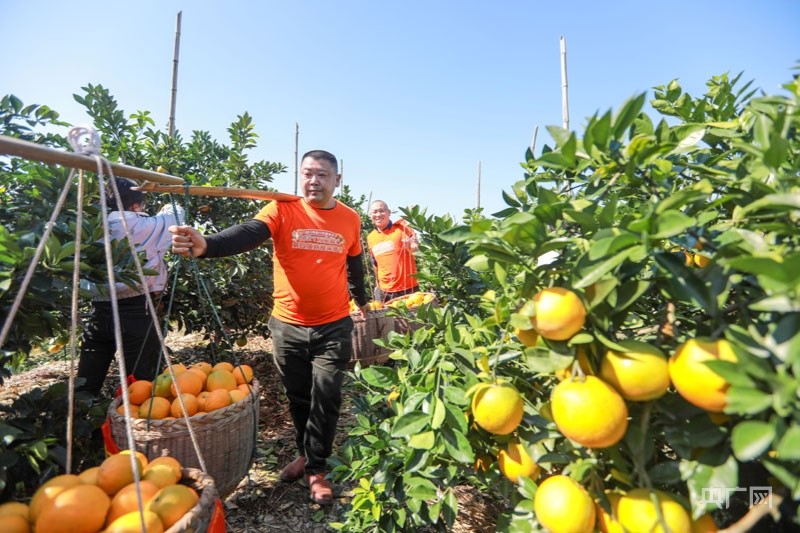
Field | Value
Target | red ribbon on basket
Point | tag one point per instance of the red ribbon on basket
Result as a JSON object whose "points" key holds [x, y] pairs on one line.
{"points": [[217, 522], [108, 441]]}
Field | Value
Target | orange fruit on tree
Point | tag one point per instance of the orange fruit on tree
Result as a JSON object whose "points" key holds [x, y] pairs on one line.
{"points": [[243, 374], [562, 505], [560, 314], [514, 462], [694, 380], [217, 399], [497, 407], [528, 337], [14, 523], [204, 366], [127, 499], [589, 411], [47, 491], [155, 408], [704, 524], [132, 523], [116, 472], [187, 382], [640, 374], [139, 391], [220, 379], [189, 400], [637, 512], [607, 522], [701, 260], [81, 508], [223, 365], [172, 502]]}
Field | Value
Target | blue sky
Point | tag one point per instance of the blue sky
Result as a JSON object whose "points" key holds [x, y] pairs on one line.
{"points": [[410, 95]]}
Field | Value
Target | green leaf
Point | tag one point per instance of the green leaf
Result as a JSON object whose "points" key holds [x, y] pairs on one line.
{"points": [[419, 488], [458, 446], [751, 438], [410, 424], [671, 223], [422, 441], [684, 284], [593, 273], [746, 400], [627, 114], [380, 376], [788, 447]]}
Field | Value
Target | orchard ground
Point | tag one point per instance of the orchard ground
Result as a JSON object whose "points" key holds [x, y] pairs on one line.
{"points": [[262, 502]]}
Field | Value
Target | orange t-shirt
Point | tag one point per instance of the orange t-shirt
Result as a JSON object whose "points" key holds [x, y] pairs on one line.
{"points": [[310, 260], [396, 266]]}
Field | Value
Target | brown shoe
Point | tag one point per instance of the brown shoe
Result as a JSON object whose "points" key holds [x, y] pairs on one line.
{"points": [[294, 470], [321, 490]]}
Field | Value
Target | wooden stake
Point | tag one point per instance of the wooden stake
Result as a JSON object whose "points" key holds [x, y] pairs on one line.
{"points": [[229, 192], [175, 55], [479, 184], [45, 154]]}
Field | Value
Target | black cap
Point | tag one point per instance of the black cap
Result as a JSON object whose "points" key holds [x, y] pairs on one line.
{"points": [[126, 194]]}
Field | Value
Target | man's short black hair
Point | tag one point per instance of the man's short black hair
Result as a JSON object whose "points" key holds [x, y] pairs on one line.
{"points": [[126, 193], [324, 156]]}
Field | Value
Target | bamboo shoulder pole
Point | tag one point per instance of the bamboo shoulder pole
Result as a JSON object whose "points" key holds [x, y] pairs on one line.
{"points": [[44, 154], [230, 192]]}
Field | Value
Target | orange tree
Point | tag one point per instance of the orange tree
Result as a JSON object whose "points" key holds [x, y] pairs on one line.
{"points": [[611, 216]]}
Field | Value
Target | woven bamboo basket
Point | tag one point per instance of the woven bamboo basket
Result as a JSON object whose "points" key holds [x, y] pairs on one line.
{"points": [[404, 325], [226, 439], [376, 325], [198, 518]]}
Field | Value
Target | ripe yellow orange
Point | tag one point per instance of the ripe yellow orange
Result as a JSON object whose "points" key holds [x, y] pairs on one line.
{"points": [[514, 462], [116, 472], [527, 337], [201, 401], [639, 375], [220, 379], [237, 395], [637, 512], [139, 391], [187, 382], [163, 471], [701, 260], [172, 502], [127, 499], [562, 505], [14, 523], [155, 408], [243, 374], [217, 399], [606, 522], [223, 365], [560, 314], [142, 457], [81, 508], [134, 409], [589, 412], [497, 408], [704, 524], [204, 366], [200, 373], [131, 523], [694, 380], [189, 400], [47, 492], [245, 388], [177, 368]]}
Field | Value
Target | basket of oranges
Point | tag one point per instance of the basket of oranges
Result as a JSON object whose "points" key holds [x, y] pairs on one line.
{"points": [[411, 303], [376, 325], [165, 416]]}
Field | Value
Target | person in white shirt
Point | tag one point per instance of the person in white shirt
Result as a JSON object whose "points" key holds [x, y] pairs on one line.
{"points": [[140, 344]]}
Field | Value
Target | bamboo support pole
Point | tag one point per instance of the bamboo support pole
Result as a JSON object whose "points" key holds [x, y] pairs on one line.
{"points": [[44, 154], [174, 95], [229, 192], [564, 86]]}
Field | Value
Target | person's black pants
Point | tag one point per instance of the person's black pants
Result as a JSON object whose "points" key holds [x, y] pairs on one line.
{"points": [[312, 361], [140, 345]]}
